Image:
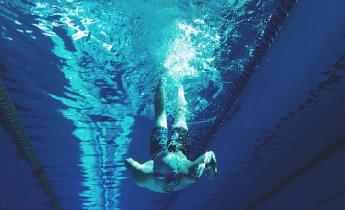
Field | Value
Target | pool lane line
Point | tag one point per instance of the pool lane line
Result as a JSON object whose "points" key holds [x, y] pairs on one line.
{"points": [[279, 15], [10, 121]]}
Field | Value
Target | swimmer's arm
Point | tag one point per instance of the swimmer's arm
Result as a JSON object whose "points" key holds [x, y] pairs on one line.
{"points": [[207, 160], [143, 174], [140, 172]]}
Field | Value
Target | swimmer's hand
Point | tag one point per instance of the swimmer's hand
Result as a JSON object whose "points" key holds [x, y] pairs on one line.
{"points": [[206, 161], [212, 165]]}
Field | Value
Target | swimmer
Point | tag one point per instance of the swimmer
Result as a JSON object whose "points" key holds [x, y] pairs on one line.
{"points": [[169, 169]]}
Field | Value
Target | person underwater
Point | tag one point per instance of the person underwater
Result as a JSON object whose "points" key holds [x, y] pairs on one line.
{"points": [[169, 169]]}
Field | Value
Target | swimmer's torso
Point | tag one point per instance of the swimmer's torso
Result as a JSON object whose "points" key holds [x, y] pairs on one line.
{"points": [[170, 172]]}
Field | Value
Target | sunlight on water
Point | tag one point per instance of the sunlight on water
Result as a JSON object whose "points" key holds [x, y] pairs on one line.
{"points": [[112, 54], [186, 52], [181, 53], [94, 153]]}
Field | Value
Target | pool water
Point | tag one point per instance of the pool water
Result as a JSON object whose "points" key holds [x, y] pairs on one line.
{"points": [[90, 68]]}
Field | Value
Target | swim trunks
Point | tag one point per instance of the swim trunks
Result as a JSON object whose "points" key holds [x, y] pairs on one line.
{"points": [[177, 142]]}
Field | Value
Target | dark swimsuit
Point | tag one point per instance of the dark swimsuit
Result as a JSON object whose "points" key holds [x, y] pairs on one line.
{"points": [[177, 142]]}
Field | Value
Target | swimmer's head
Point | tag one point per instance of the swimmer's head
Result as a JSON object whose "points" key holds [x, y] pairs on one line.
{"points": [[165, 172], [167, 177], [166, 169], [168, 181]]}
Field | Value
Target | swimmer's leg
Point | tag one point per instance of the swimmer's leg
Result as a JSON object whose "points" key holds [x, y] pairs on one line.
{"points": [[160, 105], [181, 110], [180, 136]]}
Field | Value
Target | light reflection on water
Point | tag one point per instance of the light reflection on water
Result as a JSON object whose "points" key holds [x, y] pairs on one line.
{"points": [[112, 53]]}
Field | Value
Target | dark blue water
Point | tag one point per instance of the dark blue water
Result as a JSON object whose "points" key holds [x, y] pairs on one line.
{"points": [[263, 79]]}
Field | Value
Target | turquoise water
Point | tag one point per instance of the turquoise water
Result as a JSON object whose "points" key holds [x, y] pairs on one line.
{"points": [[112, 54]]}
